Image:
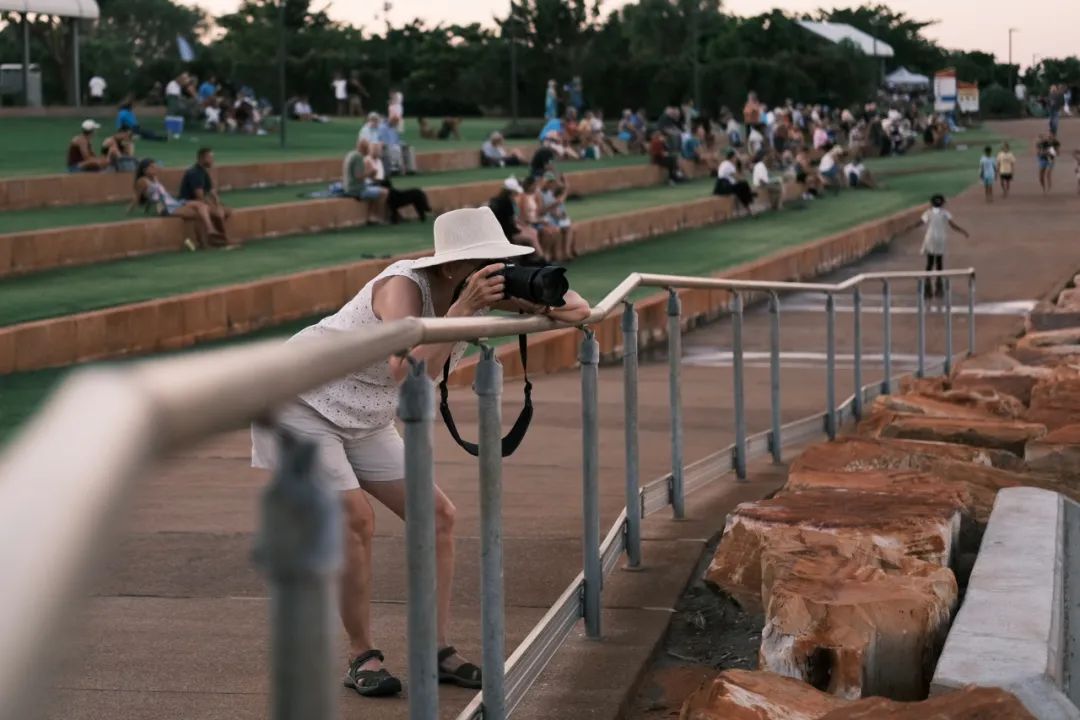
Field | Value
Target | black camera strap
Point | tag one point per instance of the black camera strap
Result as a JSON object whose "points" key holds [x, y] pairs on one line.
{"points": [[517, 433]]}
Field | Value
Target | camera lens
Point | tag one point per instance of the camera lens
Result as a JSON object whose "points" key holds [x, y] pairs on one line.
{"points": [[544, 285]]}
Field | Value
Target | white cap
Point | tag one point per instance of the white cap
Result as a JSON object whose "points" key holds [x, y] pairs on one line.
{"points": [[88, 125], [469, 234], [511, 183]]}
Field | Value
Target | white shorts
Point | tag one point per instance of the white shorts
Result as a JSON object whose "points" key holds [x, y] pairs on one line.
{"points": [[346, 456]]}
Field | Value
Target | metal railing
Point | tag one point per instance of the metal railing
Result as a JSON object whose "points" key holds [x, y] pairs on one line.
{"points": [[66, 478]]}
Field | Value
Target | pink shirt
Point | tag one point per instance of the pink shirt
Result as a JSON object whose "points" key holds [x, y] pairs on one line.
{"points": [[821, 138]]}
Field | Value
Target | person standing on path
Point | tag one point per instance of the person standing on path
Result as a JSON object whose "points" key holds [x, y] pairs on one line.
{"points": [[551, 101], [988, 172], [1046, 151], [938, 220], [1006, 163], [360, 455]]}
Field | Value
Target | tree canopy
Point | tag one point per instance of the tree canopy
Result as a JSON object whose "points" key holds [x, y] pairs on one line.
{"points": [[641, 55]]}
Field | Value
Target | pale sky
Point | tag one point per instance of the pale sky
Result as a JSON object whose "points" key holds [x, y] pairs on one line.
{"points": [[1044, 27]]}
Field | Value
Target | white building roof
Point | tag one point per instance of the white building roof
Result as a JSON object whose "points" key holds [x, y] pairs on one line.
{"points": [[838, 32], [85, 9]]}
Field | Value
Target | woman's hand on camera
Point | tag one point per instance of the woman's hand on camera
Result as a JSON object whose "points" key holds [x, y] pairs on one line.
{"points": [[482, 290]]}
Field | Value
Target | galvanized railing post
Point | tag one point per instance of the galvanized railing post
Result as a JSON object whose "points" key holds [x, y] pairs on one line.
{"points": [[590, 437], [416, 409], [630, 404], [886, 345], [830, 365], [971, 314], [737, 375], [776, 441], [299, 549], [488, 387], [674, 312], [920, 368], [856, 308], [948, 325]]}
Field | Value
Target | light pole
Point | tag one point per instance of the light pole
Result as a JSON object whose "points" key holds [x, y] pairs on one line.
{"points": [[695, 23], [387, 7], [281, 70], [513, 68], [1012, 81]]}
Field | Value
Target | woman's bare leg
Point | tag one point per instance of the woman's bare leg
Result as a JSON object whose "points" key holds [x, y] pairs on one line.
{"points": [[355, 591], [392, 495]]}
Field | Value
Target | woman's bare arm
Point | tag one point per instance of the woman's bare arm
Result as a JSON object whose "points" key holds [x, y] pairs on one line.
{"points": [[397, 298]]}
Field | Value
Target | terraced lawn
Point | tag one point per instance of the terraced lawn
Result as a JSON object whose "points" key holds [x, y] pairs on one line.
{"points": [[35, 146], [89, 287], [695, 252], [41, 218]]}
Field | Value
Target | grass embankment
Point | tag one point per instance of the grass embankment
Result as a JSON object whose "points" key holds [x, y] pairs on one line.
{"points": [[42, 218], [696, 252], [89, 287], [36, 146]]}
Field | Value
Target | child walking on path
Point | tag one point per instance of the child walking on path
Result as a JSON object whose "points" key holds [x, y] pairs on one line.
{"points": [[1006, 163], [988, 172], [938, 220]]}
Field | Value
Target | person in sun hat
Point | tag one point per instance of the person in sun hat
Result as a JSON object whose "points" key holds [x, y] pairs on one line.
{"points": [[351, 421]]}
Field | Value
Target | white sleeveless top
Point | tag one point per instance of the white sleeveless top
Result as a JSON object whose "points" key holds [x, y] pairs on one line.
{"points": [[366, 399]]}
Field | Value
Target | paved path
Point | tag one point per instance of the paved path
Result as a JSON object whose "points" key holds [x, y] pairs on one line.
{"points": [[177, 627]]}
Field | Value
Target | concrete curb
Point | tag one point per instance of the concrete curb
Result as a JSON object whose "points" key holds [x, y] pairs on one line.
{"points": [[32, 251], [1010, 631]]}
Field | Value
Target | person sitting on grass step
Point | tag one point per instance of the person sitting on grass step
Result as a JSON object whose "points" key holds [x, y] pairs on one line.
{"points": [[151, 195], [196, 184], [80, 153]]}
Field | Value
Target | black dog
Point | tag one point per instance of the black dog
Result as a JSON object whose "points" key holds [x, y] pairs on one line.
{"points": [[402, 198]]}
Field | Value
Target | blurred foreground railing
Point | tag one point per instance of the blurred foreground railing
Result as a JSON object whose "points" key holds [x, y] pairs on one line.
{"points": [[67, 477]]}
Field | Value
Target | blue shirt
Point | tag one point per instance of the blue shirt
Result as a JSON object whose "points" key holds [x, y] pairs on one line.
{"points": [[126, 118], [207, 90], [552, 124], [987, 168], [388, 136]]}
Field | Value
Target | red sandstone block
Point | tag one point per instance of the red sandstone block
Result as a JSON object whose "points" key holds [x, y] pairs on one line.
{"points": [[197, 322], [91, 335], [117, 332], [46, 343], [145, 332], [239, 309], [7, 351], [31, 345]]}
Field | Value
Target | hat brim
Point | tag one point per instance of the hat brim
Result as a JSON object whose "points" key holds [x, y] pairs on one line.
{"points": [[480, 251]]}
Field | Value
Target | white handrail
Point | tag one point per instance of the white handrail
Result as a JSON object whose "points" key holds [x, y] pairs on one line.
{"points": [[65, 478]]}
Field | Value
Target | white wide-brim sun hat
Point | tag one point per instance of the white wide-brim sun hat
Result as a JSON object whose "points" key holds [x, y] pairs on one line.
{"points": [[470, 234]]}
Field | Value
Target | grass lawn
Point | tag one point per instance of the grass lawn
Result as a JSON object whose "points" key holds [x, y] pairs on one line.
{"points": [[39, 218], [695, 252], [89, 287], [37, 146]]}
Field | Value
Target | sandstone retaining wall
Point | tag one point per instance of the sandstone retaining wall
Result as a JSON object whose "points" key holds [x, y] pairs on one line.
{"points": [[20, 193], [33, 251], [185, 320]]}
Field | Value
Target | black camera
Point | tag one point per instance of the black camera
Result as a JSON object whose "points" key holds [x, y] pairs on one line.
{"points": [[544, 285]]}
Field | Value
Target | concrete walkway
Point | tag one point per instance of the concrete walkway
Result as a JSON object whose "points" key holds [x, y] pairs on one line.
{"points": [[177, 627]]}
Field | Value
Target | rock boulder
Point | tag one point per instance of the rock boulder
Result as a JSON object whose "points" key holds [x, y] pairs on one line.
{"points": [[1055, 402], [1058, 453], [997, 434], [853, 628], [920, 527], [973, 703], [865, 453], [755, 695]]}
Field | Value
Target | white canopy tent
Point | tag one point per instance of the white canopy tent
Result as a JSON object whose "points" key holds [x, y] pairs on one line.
{"points": [[75, 9], [902, 77], [839, 32]]}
